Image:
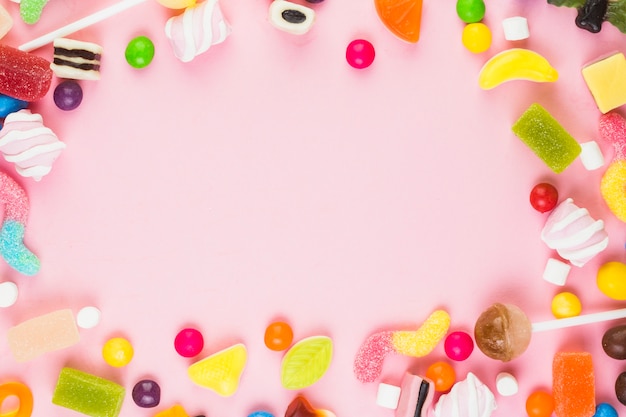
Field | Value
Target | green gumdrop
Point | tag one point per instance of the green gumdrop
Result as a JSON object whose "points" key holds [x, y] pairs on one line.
{"points": [[470, 11], [30, 10], [139, 52]]}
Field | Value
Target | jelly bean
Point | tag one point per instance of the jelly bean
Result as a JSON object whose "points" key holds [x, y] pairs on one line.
{"points": [[458, 346], [189, 342], [611, 280], [360, 53], [117, 352], [278, 336], [605, 410], [476, 37], [614, 342], [442, 374], [470, 11], [139, 52], [68, 95], [539, 404], [566, 304], [620, 388], [147, 393]]}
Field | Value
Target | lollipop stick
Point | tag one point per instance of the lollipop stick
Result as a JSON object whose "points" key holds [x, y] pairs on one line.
{"points": [[80, 24], [579, 320]]}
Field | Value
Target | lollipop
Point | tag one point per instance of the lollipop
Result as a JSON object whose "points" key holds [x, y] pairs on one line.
{"points": [[503, 331]]}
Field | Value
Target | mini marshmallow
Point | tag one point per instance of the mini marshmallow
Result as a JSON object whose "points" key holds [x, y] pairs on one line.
{"points": [[88, 317], [388, 396], [515, 28], [8, 294], [591, 156], [506, 384], [556, 272], [291, 17]]}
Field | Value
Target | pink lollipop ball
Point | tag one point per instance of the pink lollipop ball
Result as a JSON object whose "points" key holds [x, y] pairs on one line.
{"points": [[189, 343], [458, 346], [360, 53]]}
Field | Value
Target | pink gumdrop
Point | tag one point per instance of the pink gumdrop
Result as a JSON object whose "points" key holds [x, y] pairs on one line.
{"points": [[189, 342], [613, 129], [360, 53], [458, 346]]}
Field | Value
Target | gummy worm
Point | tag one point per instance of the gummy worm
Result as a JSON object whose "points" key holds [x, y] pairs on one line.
{"points": [[16, 209], [368, 363]]}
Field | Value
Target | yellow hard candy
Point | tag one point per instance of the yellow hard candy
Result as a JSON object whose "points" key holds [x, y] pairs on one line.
{"points": [[177, 4], [566, 304], [221, 371], [611, 280]]}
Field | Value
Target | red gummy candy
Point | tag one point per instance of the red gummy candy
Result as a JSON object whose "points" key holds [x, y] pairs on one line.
{"points": [[23, 76]]}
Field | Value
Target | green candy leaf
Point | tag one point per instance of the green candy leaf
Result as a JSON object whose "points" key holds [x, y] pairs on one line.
{"points": [[306, 362], [567, 3], [616, 14]]}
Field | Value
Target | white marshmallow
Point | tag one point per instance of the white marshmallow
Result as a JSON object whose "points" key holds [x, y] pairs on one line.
{"points": [[388, 396], [591, 156], [556, 272], [515, 28], [506, 384]]}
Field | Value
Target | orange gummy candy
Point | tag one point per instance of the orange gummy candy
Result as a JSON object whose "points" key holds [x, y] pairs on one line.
{"points": [[573, 385], [23, 394], [402, 17]]}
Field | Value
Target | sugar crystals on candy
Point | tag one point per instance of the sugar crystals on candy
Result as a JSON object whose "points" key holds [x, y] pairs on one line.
{"points": [[88, 394], [546, 138], [573, 384], [23, 76]]}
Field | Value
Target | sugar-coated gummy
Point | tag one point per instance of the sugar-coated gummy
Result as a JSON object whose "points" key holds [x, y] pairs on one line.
{"points": [[30, 10], [573, 384], [23, 76], [88, 394], [546, 138]]}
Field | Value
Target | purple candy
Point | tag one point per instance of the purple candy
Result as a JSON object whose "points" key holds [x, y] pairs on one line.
{"points": [[147, 393], [68, 95]]}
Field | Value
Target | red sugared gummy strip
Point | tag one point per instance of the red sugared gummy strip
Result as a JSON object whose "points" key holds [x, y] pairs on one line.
{"points": [[612, 128], [23, 75]]}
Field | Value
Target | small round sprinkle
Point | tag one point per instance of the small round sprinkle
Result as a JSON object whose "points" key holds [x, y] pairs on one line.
{"points": [[68, 95], [117, 352], [88, 317], [8, 294]]}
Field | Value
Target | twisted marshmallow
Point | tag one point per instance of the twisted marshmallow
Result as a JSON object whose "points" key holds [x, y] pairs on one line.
{"points": [[199, 27], [574, 234], [468, 398], [27, 143]]}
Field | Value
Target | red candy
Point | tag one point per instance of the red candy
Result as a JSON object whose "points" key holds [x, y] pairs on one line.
{"points": [[543, 197], [458, 346], [23, 76], [189, 343], [360, 53]]}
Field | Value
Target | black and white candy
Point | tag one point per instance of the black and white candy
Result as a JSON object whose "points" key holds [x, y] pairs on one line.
{"points": [[291, 17]]}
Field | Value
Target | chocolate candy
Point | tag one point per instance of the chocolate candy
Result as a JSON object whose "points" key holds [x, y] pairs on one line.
{"points": [[614, 342], [620, 388]]}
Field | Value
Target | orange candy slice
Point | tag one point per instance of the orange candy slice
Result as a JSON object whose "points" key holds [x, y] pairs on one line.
{"points": [[402, 17]]}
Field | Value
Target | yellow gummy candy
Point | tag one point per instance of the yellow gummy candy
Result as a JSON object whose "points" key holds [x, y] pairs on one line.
{"points": [[175, 411], [221, 371], [613, 188], [422, 341]]}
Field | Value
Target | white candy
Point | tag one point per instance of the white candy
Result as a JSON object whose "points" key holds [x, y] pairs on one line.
{"points": [[515, 28], [556, 272], [8, 294], [280, 9], [591, 156], [388, 396], [88, 317], [506, 384]]}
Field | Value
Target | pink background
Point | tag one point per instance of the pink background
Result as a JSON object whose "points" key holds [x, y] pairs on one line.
{"points": [[268, 179]]}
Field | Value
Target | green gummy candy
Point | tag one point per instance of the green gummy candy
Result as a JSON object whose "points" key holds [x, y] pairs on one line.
{"points": [[88, 394], [30, 10], [547, 138]]}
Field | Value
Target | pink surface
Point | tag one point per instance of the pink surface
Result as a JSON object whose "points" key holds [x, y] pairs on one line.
{"points": [[268, 179]]}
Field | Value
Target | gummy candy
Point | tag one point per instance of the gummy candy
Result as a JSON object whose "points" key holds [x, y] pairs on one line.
{"points": [[402, 18], [23, 76], [221, 371], [88, 394], [573, 384]]}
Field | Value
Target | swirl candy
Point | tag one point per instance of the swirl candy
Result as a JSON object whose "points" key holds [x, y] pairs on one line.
{"points": [[196, 30], [468, 398], [27, 143], [12, 246], [574, 234], [416, 343]]}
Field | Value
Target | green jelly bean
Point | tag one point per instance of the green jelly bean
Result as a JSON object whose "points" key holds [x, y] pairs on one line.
{"points": [[139, 52], [470, 11]]}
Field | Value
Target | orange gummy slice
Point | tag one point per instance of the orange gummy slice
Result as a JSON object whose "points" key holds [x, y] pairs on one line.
{"points": [[402, 17]]}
